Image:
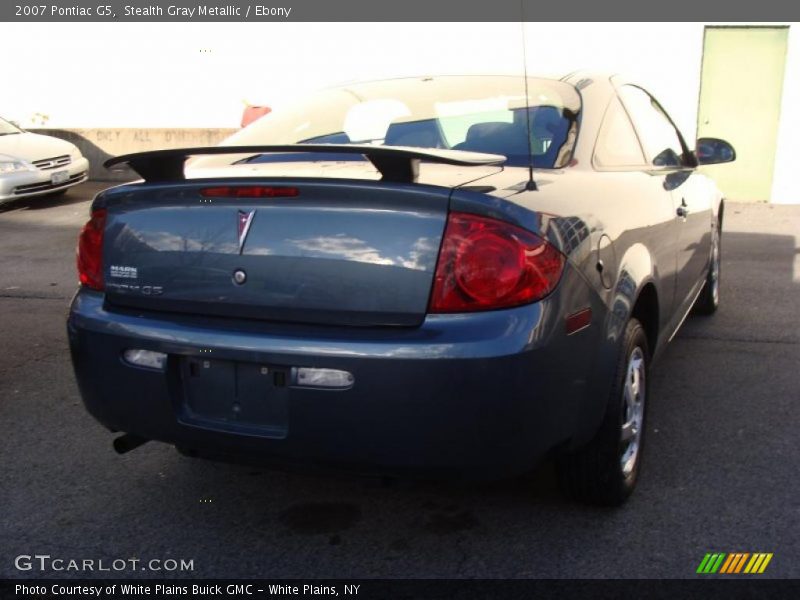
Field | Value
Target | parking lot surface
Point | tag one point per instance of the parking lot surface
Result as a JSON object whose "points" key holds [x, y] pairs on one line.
{"points": [[720, 468]]}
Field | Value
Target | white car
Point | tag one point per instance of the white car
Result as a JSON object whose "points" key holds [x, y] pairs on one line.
{"points": [[36, 165]]}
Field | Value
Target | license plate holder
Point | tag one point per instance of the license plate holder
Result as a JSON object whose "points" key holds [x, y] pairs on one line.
{"points": [[236, 397], [59, 177]]}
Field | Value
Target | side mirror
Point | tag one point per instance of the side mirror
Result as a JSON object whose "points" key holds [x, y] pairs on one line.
{"points": [[712, 151]]}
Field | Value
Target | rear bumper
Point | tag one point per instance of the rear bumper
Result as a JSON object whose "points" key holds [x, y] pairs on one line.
{"points": [[486, 394]]}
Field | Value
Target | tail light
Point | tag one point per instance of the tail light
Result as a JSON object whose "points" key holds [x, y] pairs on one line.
{"points": [[90, 251], [488, 264]]}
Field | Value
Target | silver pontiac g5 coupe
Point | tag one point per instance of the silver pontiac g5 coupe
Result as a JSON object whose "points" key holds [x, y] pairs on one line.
{"points": [[448, 276]]}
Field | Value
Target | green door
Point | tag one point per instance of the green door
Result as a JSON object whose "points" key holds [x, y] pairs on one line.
{"points": [[740, 101]]}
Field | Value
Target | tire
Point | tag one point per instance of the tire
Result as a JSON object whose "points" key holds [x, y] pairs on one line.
{"points": [[605, 471], [708, 301]]}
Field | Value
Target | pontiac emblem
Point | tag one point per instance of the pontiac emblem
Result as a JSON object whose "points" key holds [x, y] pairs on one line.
{"points": [[245, 219]]}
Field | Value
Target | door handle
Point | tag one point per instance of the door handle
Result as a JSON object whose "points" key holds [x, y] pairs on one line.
{"points": [[683, 210]]}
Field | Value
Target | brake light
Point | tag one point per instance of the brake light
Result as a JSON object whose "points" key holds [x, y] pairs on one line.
{"points": [[488, 264], [90, 251], [249, 191]]}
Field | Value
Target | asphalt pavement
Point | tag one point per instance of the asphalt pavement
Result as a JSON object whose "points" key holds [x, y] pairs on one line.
{"points": [[720, 470]]}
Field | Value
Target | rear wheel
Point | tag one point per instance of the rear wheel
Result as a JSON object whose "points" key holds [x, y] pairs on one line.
{"points": [[708, 300], [605, 471]]}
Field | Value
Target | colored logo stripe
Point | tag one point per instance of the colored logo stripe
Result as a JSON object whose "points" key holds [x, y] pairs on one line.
{"points": [[711, 563], [758, 563], [734, 562]]}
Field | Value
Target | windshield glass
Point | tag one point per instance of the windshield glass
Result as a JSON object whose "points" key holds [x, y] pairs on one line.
{"points": [[7, 128], [474, 113]]}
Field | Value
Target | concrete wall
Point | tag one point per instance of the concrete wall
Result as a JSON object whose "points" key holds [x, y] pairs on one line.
{"points": [[98, 145], [785, 183]]}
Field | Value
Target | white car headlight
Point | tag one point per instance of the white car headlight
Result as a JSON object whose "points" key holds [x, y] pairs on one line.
{"points": [[12, 165]]}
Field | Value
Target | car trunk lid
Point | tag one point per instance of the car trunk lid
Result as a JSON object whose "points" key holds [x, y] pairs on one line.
{"points": [[339, 252]]}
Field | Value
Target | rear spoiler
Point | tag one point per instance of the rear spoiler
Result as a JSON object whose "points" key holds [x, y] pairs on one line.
{"points": [[395, 163]]}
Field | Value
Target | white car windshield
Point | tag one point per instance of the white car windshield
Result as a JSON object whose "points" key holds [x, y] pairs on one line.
{"points": [[7, 128]]}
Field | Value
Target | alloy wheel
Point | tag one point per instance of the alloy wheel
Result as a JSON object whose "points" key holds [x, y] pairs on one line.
{"points": [[634, 394]]}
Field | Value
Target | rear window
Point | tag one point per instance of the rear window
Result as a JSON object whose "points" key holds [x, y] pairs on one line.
{"points": [[478, 114]]}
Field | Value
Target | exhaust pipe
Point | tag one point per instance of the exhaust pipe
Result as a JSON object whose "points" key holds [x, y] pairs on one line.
{"points": [[127, 442]]}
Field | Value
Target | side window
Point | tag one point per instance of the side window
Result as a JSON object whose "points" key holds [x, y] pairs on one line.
{"points": [[660, 139], [617, 144]]}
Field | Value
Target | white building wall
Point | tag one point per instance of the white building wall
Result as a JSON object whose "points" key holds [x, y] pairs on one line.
{"points": [[201, 74], [785, 181]]}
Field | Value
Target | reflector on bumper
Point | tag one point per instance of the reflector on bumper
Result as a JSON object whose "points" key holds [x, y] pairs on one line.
{"points": [[322, 378], [145, 358]]}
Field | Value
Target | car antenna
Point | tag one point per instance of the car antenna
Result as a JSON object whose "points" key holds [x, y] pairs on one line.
{"points": [[531, 185]]}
